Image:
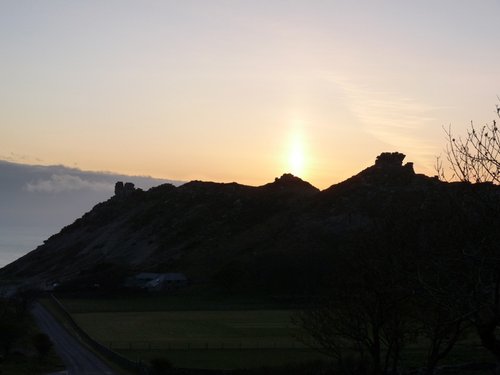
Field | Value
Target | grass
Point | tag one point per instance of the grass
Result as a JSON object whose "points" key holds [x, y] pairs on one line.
{"points": [[201, 339], [21, 365], [227, 359], [468, 350], [216, 333], [254, 328], [200, 331], [194, 300]]}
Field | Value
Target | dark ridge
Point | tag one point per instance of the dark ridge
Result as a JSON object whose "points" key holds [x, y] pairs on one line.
{"points": [[268, 238], [290, 183]]}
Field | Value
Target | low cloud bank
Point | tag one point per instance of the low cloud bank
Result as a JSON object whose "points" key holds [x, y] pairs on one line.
{"points": [[65, 182], [38, 201]]}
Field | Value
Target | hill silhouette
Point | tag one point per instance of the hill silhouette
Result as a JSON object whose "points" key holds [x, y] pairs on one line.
{"points": [[281, 236]]}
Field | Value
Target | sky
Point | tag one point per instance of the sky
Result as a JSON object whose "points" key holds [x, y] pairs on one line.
{"points": [[242, 90]]}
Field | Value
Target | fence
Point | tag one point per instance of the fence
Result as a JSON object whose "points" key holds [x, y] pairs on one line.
{"points": [[202, 345]]}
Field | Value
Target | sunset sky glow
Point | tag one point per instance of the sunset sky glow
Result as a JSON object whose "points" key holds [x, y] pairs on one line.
{"points": [[242, 90]]}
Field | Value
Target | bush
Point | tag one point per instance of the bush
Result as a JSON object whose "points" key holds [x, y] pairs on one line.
{"points": [[42, 344], [160, 366]]}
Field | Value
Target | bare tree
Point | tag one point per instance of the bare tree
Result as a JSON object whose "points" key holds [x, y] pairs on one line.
{"points": [[440, 327], [404, 278], [365, 319], [476, 156], [462, 280]]}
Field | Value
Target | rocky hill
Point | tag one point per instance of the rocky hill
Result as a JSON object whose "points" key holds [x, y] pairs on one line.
{"points": [[282, 235]]}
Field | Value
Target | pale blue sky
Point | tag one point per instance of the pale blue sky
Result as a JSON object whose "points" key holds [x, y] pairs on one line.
{"points": [[242, 90]]}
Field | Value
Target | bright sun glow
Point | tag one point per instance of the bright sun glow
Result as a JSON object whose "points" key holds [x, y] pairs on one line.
{"points": [[296, 158]]}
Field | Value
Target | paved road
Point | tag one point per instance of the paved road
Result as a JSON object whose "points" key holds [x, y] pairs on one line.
{"points": [[76, 357]]}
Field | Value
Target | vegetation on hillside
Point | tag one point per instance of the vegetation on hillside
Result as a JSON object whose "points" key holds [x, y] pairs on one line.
{"points": [[23, 348]]}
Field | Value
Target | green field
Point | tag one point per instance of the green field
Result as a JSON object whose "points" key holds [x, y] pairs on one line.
{"points": [[238, 334], [255, 329], [228, 358], [200, 332], [197, 300]]}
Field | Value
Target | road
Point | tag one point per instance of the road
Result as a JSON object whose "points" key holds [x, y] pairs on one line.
{"points": [[76, 357]]}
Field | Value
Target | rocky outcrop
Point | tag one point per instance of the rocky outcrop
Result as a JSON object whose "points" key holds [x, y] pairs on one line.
{"points": [[290, 183], [393, 160], [389, 160], [122, 190]]}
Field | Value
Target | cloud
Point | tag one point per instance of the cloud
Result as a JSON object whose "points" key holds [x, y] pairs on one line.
{"points": [[20, 158], [66, 182]]}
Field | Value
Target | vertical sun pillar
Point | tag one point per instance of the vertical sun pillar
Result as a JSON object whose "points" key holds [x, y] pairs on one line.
{"points": [[296, 159]]}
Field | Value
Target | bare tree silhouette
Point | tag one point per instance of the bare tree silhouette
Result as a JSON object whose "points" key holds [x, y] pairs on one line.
{"points": [[474, 157]]}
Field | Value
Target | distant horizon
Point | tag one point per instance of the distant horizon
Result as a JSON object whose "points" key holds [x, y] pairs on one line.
{"points": [[242, 91], [78, 169], [108, 173]]}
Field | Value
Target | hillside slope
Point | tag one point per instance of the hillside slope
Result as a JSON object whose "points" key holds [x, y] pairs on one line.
{"points": [[270, 237]]}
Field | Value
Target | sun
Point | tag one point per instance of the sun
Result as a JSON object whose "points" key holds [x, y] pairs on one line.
{"points": [[296, 158]]}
